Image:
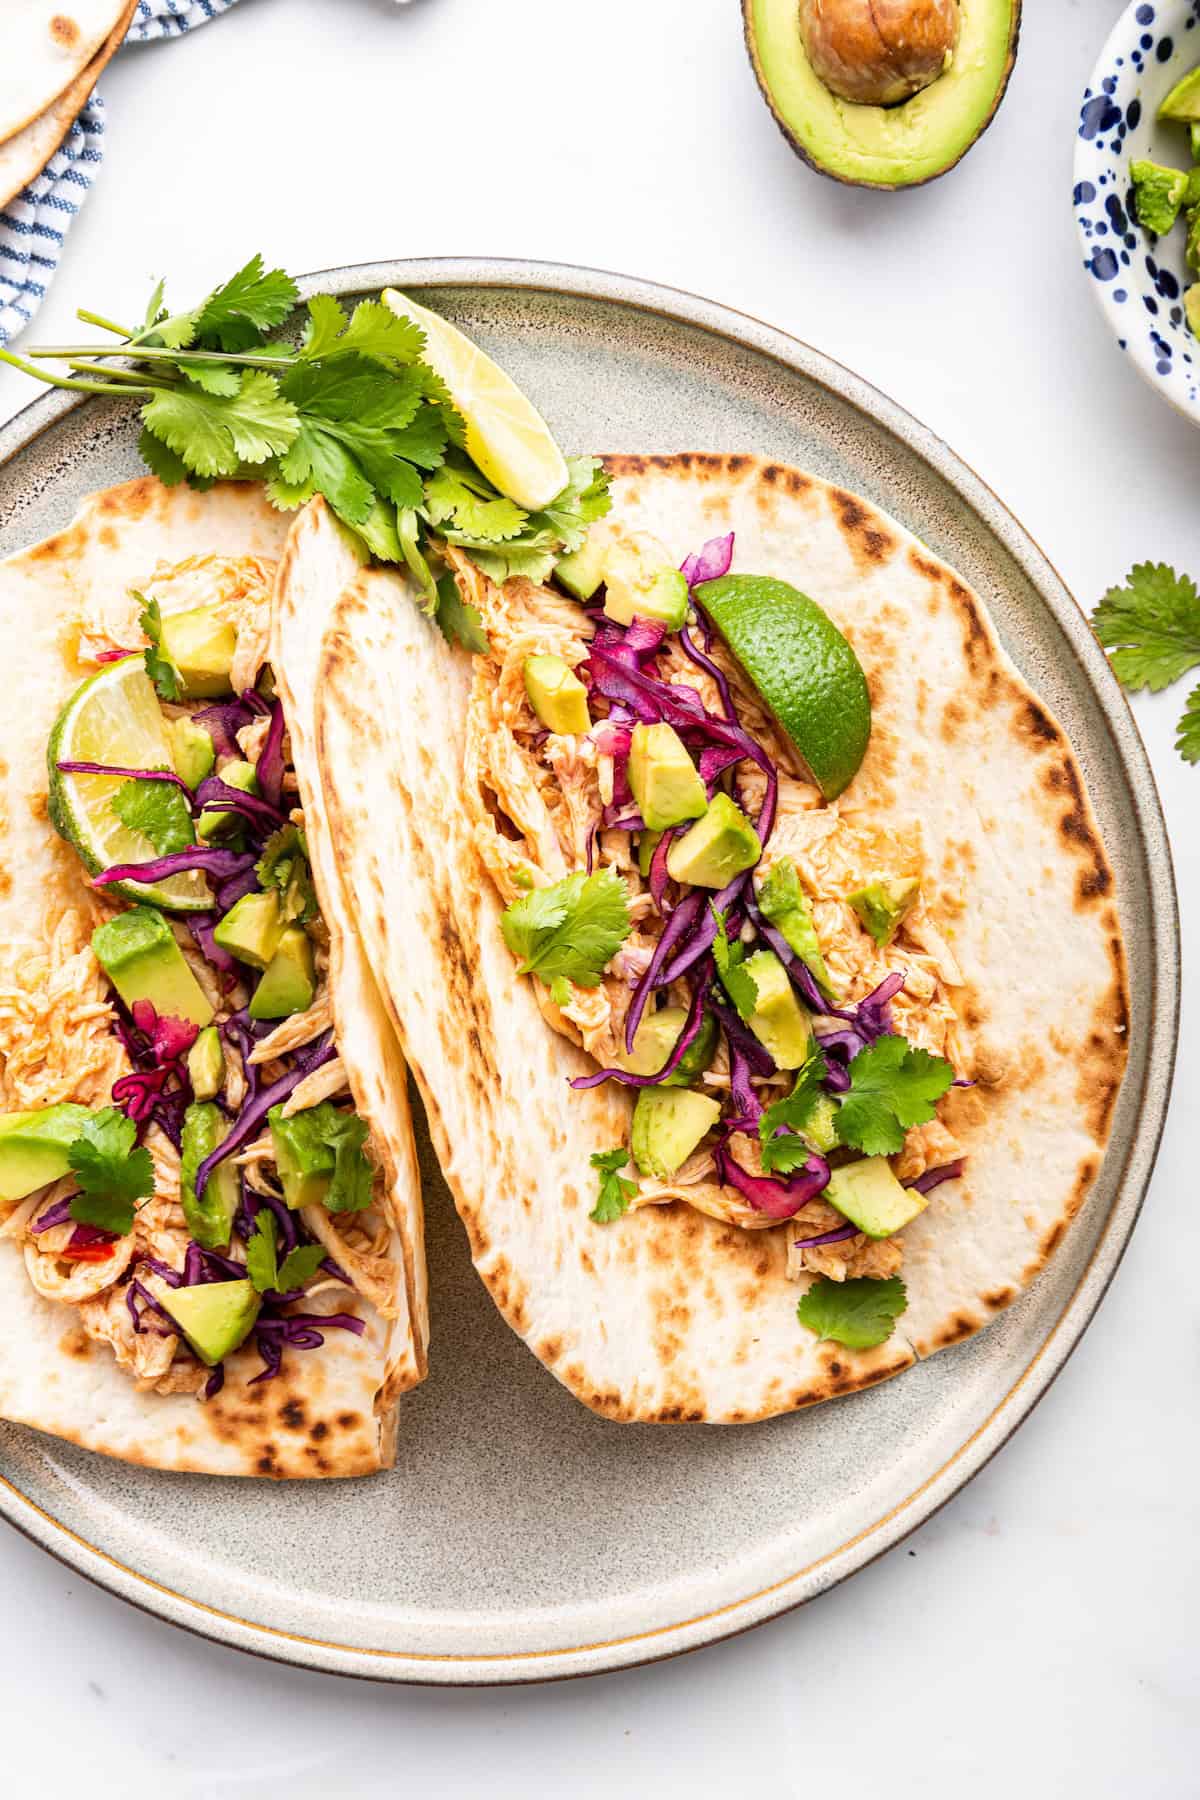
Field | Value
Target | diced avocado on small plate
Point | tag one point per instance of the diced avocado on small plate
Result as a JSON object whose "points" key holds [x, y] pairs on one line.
{"points": [[1182, 104], [668, 1124], [869, 1195], [1157, 194], [779, 1021], [289, 979], [717, 847], [202, 646], [304, 1160], [34, 1146], [556, 694], [907, 137], [214, 1316], [209, 1216], [656, 1037], [252, 928], [663, 778], [138, 953]]}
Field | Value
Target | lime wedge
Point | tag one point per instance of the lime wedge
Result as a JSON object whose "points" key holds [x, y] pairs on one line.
{"points": [[803, 668], [507, 436], [114, 718]]}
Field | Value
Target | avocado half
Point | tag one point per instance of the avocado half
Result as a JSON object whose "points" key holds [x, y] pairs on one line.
{"points": [[877, 146]]}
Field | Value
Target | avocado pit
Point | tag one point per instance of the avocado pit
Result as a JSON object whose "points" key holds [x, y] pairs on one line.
{"points": [[879, 52]]}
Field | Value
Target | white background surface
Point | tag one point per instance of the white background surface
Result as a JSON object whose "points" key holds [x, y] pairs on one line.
{"points": [[1042, 1631]]}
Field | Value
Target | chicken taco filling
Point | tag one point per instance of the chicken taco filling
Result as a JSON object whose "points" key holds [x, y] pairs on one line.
{"points": [[723, 932], [181, 1165]]}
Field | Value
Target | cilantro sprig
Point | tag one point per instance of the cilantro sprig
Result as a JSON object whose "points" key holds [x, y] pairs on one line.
{"points": [[737, 981], [342, 404], [859, 1313], [893, 1086], [158, 810], [262, 1259], [783, 1149], [1151, 630], [113, 1176], [572, 929], [616, 1190]]}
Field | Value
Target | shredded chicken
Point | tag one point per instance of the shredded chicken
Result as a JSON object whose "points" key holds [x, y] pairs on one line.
{"points": [[299, 1029], [56, 1041], [325, 1083], [361, 1244]]}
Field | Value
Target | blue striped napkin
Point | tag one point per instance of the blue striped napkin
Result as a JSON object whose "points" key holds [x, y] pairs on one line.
{"points": [[34, 226]]}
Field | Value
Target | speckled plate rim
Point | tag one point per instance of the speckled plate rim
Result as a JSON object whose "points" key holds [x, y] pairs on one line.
{"points": [[794, 1587]]}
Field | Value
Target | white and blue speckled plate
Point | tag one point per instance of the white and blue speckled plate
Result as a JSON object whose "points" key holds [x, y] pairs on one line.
{"points": [[1138, 280], [519, 1537]]}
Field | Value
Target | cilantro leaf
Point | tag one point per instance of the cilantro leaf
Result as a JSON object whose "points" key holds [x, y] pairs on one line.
{"points": [[859, 1313], [460, 621], [471, 506], [353, 1176], [112, 1175], [573, 928], [560, 991], [738, 983], [160, 461], [892, 1086], [262, 1252], [784, 1155], [159, 667], [1151, 626], [158, 810], [1187, 740], [299, 1266], [533, 562], [408, 531], [214, 378], [284, 865], [326, 322], [584, 500], [616, 1190], [250, 303], [215, 435]]}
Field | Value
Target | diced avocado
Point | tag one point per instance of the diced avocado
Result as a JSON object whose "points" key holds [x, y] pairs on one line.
{"points": [[138, 953], [289, 981], [1194, 140], [305, 1162], [883, 904], [1157, 194], [668, 1123], [252, 928], [34, 1145], [192, 750], [819, 1131], [640, 583], [657, 1036], [665, 781], [1191, 248], [784, 904], [214, 1316], [206, 1064], [647, 845], [201, 644], [582, 572], [209, 1218], [1191, 193], [556, 694], [1183, 101], [213, 822], [718, 846], [779, 1021], [1191, 306], [870, 1196]]}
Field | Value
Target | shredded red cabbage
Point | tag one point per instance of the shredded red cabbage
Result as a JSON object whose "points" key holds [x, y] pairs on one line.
{"points": [[223, 722], [925, 1184], [659, 875], [93, 768], [215, 1382], [710, 562], [137, 1290], [236, 888], [222, 864], [110, 656], [297, 1331], [58, 1214], [260, 1103], [169, 1037], [683, 1043], [270, 765], [705, 662], [826, 1237], [777, 1199], [259, 813], [201, 925]]}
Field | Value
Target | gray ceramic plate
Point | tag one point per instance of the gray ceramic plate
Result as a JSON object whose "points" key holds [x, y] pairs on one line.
{"points": [[519, 1537]]}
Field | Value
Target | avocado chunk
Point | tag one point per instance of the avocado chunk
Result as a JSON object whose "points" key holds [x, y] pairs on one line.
{"points": [[138, 953], [718, 847], [583, 570], [192, 750], [1194, 141], [820, 1131], [214, 1317], [641, 583], [206, 1064], [779, 1021], [209, 1217], [252, 928], [785, 905], [556, 694], [657, 1036], [34, 1146], [870, 1196], [289, 981], [665, 781], [884, 903], [201, 644], [214, 823], [804, 669], [1157, 194], [889, 145], [668, 1123], [1191, 306], [1191, 248], [304, 1160], [648, 843], [1183, 102]]}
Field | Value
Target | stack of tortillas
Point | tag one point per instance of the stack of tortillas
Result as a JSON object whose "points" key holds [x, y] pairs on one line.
{"points": [[51, 55]]}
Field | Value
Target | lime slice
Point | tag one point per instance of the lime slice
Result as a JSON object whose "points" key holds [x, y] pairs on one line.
{"points": [[803, 668], [114, 718], [507, 436]]}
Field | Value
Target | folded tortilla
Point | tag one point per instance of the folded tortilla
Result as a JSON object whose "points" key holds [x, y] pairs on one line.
{"points": [[666, 1314], [25, 154], [331, 1411], [45, 45]]}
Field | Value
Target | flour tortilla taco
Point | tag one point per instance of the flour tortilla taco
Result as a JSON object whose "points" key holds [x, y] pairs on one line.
{"points": [[747, 930], [210, 1227], [46, 47]]}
